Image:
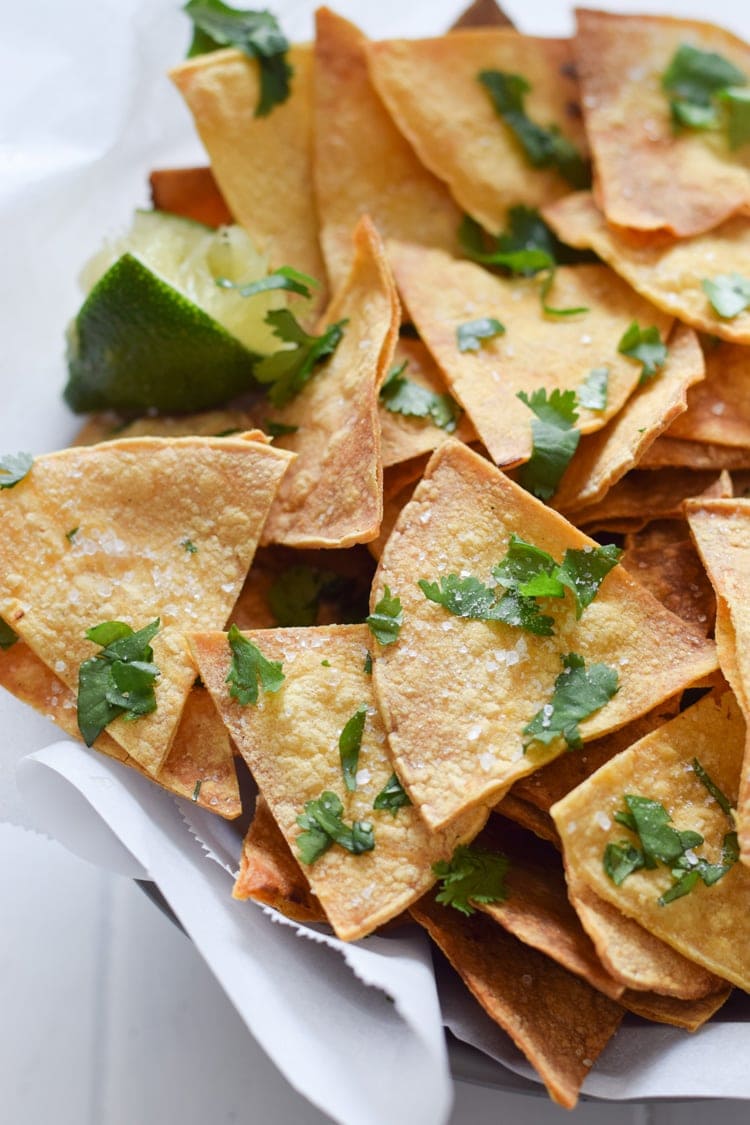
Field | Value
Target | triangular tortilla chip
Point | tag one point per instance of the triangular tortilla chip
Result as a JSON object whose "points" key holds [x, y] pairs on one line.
{"points": [[262, 165], [362, 163], [719, 408], [675, 576], [649, 175], [332, 496], [209, 423], [680, 453], [98, 534], [559, 1021], [665, 271], [290, 743], [604, 457], [482, 13], [190, 192], [431, 88], [641, 496], [403, 436], [269, 872], [455, 693], [535, 351], [687, 1014], [711, 924], [200, 764]]}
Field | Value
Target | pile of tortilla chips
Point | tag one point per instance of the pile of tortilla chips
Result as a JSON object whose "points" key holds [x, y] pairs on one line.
{"points": [[576, 853]]}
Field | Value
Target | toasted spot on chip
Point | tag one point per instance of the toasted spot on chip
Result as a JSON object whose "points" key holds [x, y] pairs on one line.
{"points": [[447, 676], [559, 1021], [129, 508], [332, 496], [650, 176], [431, 88], [641, 496], [362, 163], [535, 351], [711, 924], [290, 743], [190, 192]]}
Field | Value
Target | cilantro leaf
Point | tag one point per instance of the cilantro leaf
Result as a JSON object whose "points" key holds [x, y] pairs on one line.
{"points": [[685, 883], [295, 596], [721, 799], [469, 336], [119, 680], [468, 597], [350, 741], [646, 346], [728, 293], [554, 437], [392, 796], [737, 104], [287, 371], [578, 692], [293, 281], [402, 396], [694, 76], [367, 666], [8, 636], [196, 790], [258, 34], [584, 570], [544, 148], [527, 246], [249, 667], [189, 546], [14, 467], [70, 535], [386, 619], [323, 827], [592, 392], [471, 875], [659, 840], [278, 429], [529, 570], [621, 860]]}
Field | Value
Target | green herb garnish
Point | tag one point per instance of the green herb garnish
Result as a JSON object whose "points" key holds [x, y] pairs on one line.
{"points": [[386, 619], [119, 680], [249, 668], [197, 790], [287, 278], [469, 336], [721, 799], [728, 293], [286, 372], [706, 93], [554, 440], [646, 346], [324, 827], [70, 535], [14, 467], [468, 597], [592, 392], [392, 796], [578, 692], [350, 741], [8, 636], [621, 860], [403, 396], [534, 573], [472, 875], [189, 546], [367, 667]]}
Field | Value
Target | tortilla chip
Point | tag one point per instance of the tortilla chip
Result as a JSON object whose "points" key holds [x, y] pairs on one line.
{"points": [[711, 925], [604, 457], [402, 436], [208, 423], [536, 351], [192, 193], [557, 1020], [687, 1014], [719, 409], [666, 272], [649, 176], [269, 872], [128, 508], [262, 165], [455, 694], [332, 496], [673, 452], [528, 816], [641, 496], [482, 13], [658, 533], [430, 87], [636, 957], [362, 163], [200, 765], [675, 576], [290, 743]]}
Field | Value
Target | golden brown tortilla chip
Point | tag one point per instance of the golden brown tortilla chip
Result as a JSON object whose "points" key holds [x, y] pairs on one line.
{"points": [[362, 163], [482, 13], [649, 175], [559, 1021], [528, 816], [666, 272], [641, 496], [431, 89], [269, 872], [262, 165], [332, 496], [675, 576], [98, 534], [455, 693], [399, 482], [190, 192], [658, 533], [719, 408], [672, 452], [200, 764], [209, 423], [687, 1014], [604, 457], [290, 743], [711, 924], [535, 351]]}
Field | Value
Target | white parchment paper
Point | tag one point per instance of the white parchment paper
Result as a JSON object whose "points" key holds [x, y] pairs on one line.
{"points": [[86, 113]]}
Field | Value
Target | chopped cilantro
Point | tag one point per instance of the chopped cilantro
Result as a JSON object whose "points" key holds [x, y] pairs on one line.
{"points": [[14, 467], [402, 396], [544, 148], [8, 636], [621, 860], [386, 619], [324, 827], [705, 779], [392, 796], [701, 85], [119, 680], [350, 741], [554, 440], [189, 546], [578, 692], [295, 596], [737, 105], [325, 664], [258, 34], [646, 346], [469, 336], [293, 281], [472, 875], [652, 824], [592, 392], [583, 571], [534, 573], [367, 667], [287, 371], [70, 535], [468, 597], [278, 429], [728, 293], [249, 667], [197, 790]]}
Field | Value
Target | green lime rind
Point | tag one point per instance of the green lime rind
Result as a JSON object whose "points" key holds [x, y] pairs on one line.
{"points": [[137, 344]]}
